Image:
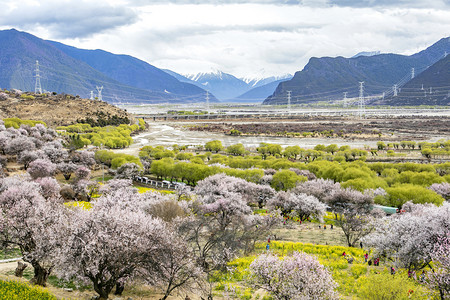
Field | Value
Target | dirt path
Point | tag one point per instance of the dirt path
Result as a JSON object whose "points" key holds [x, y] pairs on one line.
{"points": [[58, 292], [5, 267]]}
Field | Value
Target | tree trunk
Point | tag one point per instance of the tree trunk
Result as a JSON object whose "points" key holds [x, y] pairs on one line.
{"points": [[40, 274], [20, 268], [119, 288], [100, 289], [441, 293]]}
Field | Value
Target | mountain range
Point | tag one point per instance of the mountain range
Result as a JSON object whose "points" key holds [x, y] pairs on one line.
{"points": [[66, 69], [326, 78], [126, 79]]}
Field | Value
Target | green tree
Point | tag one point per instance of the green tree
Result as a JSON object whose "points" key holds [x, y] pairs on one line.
{"points": [[274, 149], [402, 193], [331, 148], [237, 149], [286, 180], [214, 146], [381, 145], [263, 150], [292, 152], [162, 168]]}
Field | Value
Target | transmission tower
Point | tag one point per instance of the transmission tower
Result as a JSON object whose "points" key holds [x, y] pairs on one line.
{"points": [[395, 90], [412, 73], [345, 99], [207, 101], [92, 95], [99, 90], [289, 101], [362, 107], [37, 85]]}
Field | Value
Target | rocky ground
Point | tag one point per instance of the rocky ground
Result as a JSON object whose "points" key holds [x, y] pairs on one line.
{"points": [[55, 110]]}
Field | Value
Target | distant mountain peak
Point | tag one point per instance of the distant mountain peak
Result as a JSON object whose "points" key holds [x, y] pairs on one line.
{"points": [[214, 73], [254, 82], [366, 53], [226, 86]]}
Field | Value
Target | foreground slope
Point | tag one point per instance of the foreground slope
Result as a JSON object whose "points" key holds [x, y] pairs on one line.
{"points": [[57, 110]]}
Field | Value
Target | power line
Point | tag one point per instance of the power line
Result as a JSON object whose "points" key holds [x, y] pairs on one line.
{"points": [[99, 90], [289, 101], [345, 99], [136, 90], [362, 107], [37, 85]]}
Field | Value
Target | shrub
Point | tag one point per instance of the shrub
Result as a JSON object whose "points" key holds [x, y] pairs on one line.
{"points": [[358, 270], [115, 160], [386, 286], [14, 290], [16, 122], [110, 136], [83, 204], [28, 97]]}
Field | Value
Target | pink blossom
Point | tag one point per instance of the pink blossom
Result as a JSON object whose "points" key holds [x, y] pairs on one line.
{"points": [[299, 276]]}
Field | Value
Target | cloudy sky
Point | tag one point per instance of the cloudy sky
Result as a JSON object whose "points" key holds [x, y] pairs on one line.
{"points": [[250, 38]]}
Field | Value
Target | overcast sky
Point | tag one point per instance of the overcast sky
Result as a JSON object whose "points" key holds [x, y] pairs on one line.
{"points": [[245, 38]]}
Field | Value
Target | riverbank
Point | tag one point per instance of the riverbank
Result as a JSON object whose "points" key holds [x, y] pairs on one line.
{"points": [[170, 133]]}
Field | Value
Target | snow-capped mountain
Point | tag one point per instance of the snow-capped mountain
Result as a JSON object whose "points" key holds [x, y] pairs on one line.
{"points": [[260, 81], [226, 86], [262, 88], [365, 53]]}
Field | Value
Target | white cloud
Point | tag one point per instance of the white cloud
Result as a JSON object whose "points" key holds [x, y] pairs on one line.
{"points": [[64, 18], [239, 37]]}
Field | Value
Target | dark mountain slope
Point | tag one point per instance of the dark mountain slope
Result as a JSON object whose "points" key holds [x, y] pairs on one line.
{"points": [[134, 72], [63, 73], [431, 87], [328, 78]]}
